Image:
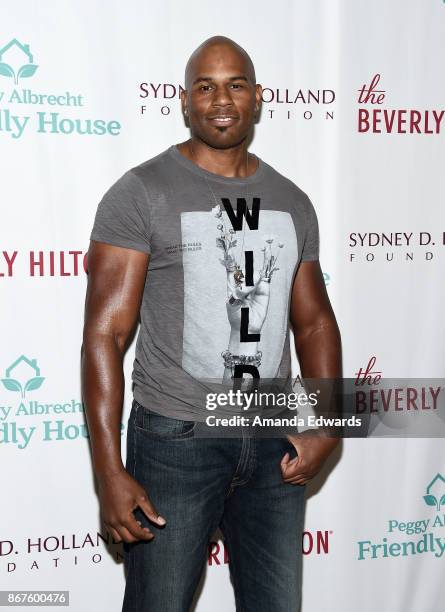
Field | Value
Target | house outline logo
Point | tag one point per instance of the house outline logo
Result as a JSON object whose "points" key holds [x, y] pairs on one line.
{"points": [[33, 383], [26, 70], [435, 500]]}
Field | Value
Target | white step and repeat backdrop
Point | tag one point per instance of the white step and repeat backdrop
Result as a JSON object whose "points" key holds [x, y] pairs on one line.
{"points": [[354, 114]]}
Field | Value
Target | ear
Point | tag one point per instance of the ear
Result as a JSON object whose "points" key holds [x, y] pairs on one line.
{"points": [[258, 96], [184, 101]]}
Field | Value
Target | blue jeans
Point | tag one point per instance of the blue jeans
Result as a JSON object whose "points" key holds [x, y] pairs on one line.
{"points": [[198, 484]]}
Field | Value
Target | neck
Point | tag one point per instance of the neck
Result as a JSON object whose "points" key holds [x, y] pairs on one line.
{"points": [[232, 162]]}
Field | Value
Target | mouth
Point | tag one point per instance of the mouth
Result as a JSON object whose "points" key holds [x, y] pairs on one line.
{"points": [[223, 120]]}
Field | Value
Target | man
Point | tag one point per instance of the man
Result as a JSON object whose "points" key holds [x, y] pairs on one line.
{"points": [[210, 246]]}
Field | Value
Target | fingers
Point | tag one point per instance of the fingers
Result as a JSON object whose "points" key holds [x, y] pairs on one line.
{"points": [[231, 285], [114, 534], [285, 460], [285, 463], [129, 530], [146, 529], [293, 471], [150, 511], [135, 529], [255, 288], [263, 287], [297, 480], [241, 290]]}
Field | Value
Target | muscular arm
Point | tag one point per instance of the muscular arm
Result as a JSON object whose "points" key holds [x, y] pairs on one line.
{"points": [[316, 333], [318, 347], [115, 287]]}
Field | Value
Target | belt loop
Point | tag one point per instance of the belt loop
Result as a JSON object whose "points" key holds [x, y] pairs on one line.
{"points": [[135, 410]]}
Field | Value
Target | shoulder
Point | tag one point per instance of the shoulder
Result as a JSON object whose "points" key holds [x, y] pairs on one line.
{"points": [[155, 170], [135, 182], [290, 189]]}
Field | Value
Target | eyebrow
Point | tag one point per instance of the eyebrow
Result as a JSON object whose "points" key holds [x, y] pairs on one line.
{"points": [[234, 78]]}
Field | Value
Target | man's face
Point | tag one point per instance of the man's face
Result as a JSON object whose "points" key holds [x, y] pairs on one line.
{"points": [[221, 96]]}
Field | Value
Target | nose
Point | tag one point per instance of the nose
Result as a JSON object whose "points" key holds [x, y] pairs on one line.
{"points": [[222, 97]]}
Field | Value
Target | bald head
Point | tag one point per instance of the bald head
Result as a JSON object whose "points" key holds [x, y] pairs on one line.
{"points": [[221, 97], [217, 50]]}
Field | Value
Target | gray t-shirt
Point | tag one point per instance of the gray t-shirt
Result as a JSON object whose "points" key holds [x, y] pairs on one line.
{"points": [[223, 257]]}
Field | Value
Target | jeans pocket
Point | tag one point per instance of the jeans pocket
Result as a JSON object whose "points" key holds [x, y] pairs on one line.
{"points": [[161, 427], [289, 448]]}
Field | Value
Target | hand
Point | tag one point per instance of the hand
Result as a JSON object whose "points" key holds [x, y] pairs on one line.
{"points": [[119, 495], [255, 297], [313, 450]]}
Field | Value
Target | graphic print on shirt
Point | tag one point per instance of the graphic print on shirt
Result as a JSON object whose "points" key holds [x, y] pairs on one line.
{"points": [[236, 288]]}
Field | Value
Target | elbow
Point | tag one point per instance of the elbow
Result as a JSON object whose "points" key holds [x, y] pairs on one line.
{"points": [[122, 340], [325, 327], [101, 339]]}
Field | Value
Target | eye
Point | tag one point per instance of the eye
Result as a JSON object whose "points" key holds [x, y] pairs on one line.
{"points": [[236, 85], [205, 88]]}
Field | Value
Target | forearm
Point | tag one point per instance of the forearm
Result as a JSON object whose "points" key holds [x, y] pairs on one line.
{"points": [[319, 350], [319, 353], [103, 386]]}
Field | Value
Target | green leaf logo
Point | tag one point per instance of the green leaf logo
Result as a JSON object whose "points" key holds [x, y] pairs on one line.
{"points": [[17, 72], [11, 384], [430, 500], [6, 70], [34, 383], [26, 71]]}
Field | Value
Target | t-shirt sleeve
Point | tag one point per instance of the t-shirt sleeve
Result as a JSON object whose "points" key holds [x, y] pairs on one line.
{"points": [[311, 244], [122, 216]]}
